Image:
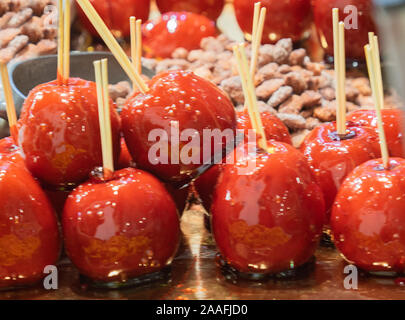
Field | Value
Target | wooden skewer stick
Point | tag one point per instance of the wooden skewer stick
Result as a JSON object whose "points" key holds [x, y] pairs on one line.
{"points": [[112, 44], [10, 107], [246, 94], [139, 45], [136, 44], [60, 42], [342, 78], [256, 12], [244, 87], [377, 61], [132, 25], [101, 75], [250, 96], [257, 40], [107, 114], [373, 74], [339, 59], [66, 42]]}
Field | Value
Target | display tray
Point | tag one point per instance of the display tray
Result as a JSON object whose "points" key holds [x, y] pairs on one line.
{"points": [[195, 275]]}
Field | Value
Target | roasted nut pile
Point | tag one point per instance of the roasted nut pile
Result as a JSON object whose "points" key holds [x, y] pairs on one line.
{"points": [[300, 92], [27, 29]]}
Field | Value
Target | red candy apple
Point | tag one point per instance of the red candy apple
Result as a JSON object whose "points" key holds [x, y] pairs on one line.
{"points": [[116, 15], [29, 237], [284, 19], [158, 125], [58, 132], [394, 122], [121, 228], [268, 219], [210, 8], [274, 128], [368, 220], [173, 30], [332, 158], [357, 36]]}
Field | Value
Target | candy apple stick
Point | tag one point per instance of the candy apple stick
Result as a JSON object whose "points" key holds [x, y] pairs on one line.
{"points": [[136, 44], [132, 25], [66, 41], [104, 115], [371, 65], [257, 34], [342, 77], [250, 96], [10, 107], [339, 59], [375, 50], [107, 113], [256, 12], [61, 34], [112, 44], [139, 45]]}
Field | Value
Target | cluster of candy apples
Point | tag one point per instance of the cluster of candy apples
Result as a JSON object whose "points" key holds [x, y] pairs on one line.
{"points": [[269, 218], [117, 226], [184, 22]]}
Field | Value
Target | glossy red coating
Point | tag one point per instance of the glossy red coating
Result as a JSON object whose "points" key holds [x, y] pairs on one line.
{"points": [[274, 128], [284, 18], [209, 8], [10, 151], [173, 30], [122, 228], [179, 195], [176, 98], [355, 38], [7, 145], [116, 15], [125, 160], [59, 133], [394, 125], [29, 236], [270, 218], [331, 159], [368, 220]]}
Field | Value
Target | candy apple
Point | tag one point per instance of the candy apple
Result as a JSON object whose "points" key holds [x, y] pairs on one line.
{"points": [[121, 228], [284, 19], [368, 221], [210, 8], [332, 157], [173, 30], [59, 133], [179, 109], [358, 13], [268, 219], [29, 236], [116, 15], [394, 122]]}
